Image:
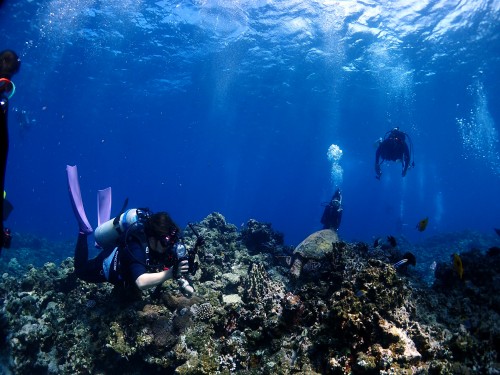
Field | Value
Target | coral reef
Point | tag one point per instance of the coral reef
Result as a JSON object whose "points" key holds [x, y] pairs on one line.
{"points": [[348, 311], [259, 237]]}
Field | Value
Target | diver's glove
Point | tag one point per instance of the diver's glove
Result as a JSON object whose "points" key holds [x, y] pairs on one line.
{"points": [[378, 171]]}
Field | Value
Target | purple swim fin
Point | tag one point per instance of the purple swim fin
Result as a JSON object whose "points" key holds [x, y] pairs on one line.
{"points": [[76, 200], [103, 206]]}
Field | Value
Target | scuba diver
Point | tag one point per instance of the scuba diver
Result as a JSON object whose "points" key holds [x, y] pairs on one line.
{"points": [[393, 147], [9, 65], [140, 249], [332, 215]]}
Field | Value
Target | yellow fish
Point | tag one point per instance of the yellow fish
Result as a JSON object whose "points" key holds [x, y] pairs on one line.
{"points": [[422, 224], [457, 264]]}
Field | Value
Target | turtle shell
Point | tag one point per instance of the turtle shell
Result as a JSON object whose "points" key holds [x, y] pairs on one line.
{"points": [[317, 245]]}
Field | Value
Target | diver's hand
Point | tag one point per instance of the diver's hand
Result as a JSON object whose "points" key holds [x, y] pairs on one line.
{"points": [[404, 173], [378, 172], [182, 268]]}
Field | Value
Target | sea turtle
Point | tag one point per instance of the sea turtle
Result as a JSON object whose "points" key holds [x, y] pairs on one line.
{"points": [[314, 248]]}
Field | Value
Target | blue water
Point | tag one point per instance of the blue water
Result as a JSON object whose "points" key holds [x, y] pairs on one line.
{"points": [[230, 106]]}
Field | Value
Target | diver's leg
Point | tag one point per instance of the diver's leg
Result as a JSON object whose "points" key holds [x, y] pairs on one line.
{"points": [[76, 199], [81, 255], [89, 270]]}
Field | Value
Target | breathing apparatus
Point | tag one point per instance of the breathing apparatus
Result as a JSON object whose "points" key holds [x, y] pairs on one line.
{"points": [[387, 135], [109, 234]]}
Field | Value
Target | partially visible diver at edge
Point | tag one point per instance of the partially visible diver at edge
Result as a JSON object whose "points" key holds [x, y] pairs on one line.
{"points": [[332, 215], [394, 147], [9, 65]]}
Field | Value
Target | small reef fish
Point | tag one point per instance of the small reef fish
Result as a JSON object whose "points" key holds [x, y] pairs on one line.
{"points": [[400, 263], [457, 264], [407, 258], [422, 224]]}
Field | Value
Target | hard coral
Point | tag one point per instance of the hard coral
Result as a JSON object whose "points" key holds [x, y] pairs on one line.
{"points": [[260, 237], [202, 312]]}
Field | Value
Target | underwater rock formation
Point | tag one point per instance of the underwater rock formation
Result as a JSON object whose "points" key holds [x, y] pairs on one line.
{"points": [[350, 311], [260, 237]]}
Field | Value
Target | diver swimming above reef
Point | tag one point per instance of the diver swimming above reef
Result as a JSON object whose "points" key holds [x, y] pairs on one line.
{"points": [[139, 248], [394, 147], [332, 215]]}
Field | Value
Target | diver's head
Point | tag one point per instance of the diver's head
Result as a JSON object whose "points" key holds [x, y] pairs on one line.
{"points": [[9, 63], [161, 231]]}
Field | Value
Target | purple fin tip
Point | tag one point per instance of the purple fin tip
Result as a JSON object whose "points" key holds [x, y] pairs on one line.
{"points": [[76, 200]]}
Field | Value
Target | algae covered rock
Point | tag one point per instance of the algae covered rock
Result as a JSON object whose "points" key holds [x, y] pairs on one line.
{"points": [[314, 248], [260, 237]]}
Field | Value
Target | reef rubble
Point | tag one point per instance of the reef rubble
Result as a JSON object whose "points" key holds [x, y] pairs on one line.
{"points": [[349, 311]]}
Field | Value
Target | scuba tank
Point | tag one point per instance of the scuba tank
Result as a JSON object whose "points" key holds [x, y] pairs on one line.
{"points": [[108, 234]]}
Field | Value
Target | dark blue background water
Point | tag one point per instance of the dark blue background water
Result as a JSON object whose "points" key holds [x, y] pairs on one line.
{"points": [[195, 107]]}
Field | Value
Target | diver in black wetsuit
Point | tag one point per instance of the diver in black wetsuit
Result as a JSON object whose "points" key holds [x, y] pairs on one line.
{"points": [[9, 65], [332, 215], [393, 147]]}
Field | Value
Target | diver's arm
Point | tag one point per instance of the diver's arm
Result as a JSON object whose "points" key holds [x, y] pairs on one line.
{"points": [[150, 280]]}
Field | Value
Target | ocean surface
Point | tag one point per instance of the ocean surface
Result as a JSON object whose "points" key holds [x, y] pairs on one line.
{"points": [[193, 107]]}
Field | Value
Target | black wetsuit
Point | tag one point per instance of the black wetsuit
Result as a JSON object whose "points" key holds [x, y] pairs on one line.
{"points": [[125, 264], [393, 148], [332, 215], [4, 150]]}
